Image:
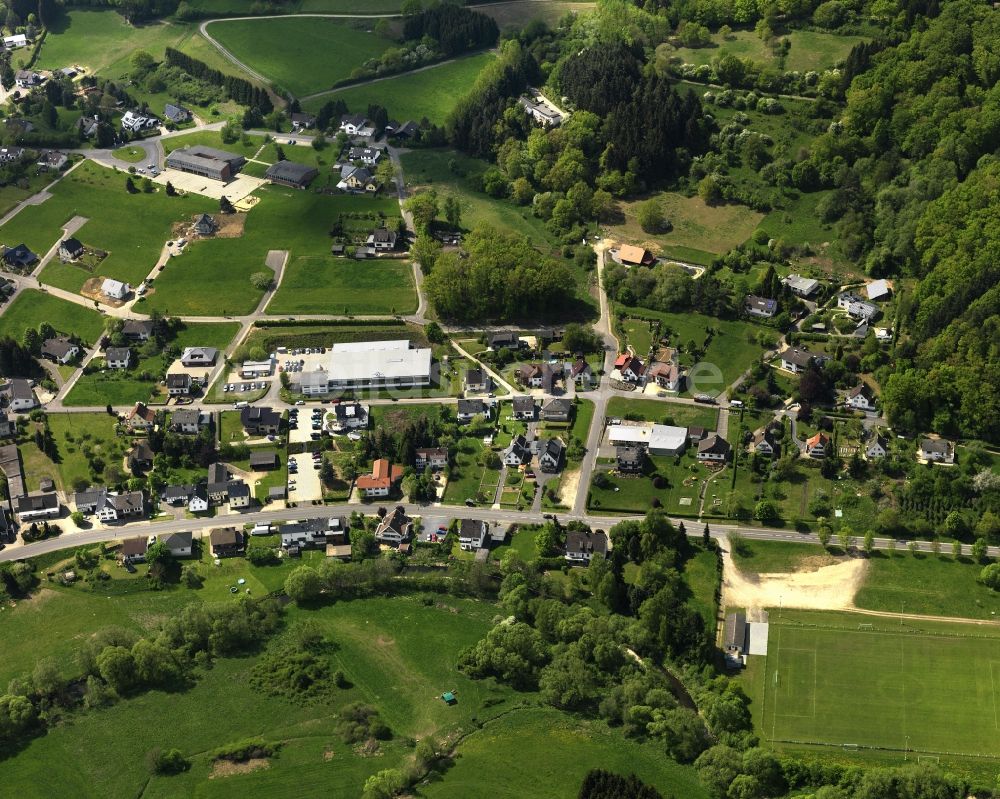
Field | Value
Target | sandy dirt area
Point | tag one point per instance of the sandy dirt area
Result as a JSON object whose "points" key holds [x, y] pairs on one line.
{"points": [[568, 487], [824, 587]]}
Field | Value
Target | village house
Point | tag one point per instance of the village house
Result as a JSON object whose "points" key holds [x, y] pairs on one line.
{"points": [[582, 546], [581, 373], [178, 385], [630, 459], [29, 507], [523, 409], [518, 452], [878, 290], [179, 545], [380, 482], [801, 286], [856, 307], [19, 257], [188, 421], [478, 381], [713, 449], [937, 450], [140, 417], [28, 79], [763, 442], [760, 306], [59, 349], [550, 456], [818, 446], [313, 534], [667, 376], [472, 534], [140, 457], [434, 458], [136, 121], [356, 125], [506, 339], [70, 249], [260, 421], [394, 528], [52, 160], [302, 121], [350, 416], [795, 360], [369, 156], [115, 289], [469, 409], [177, 114], [178, 494], [541, 113], [357, 179], [138, 329], [133, 550], [382, 239], [199, 356], [218, 483], [877, 447], [861, 398], [557, 410], [629, 368], [240, 496], [226, 542], [20, 395], [116, 507], [630, 255], [9, 155], [118, 357], [204, 225]]}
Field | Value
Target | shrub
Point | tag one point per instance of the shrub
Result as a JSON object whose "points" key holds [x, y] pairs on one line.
{"points": [[171, 761]]}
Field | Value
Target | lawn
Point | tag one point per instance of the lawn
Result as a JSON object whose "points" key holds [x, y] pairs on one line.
{"points": [[325, 51], [701, 574], [101, 41], [810, 50], [637, 493], [670, 413], [711, 229], [640, 335], [322, 284], [728, 347], [131, 154], [554, 753], [924, 686], [14, 193], [935, 585], [131, 228], [771, 557], [30, 308], [432, 93], [284, 219]]}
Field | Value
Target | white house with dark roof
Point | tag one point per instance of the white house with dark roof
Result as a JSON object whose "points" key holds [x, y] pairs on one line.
{"points": [[70, 249], [469, 409], [59, 349], [518, 452], [136, 121], [760, 306], [937, 450], [582, 546], [861, 398], [118, 357], [20, 394], [795, 359]]}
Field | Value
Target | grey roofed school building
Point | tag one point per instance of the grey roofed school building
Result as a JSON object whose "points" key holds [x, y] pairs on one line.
{"points": [[206, 161], [290, 173]]}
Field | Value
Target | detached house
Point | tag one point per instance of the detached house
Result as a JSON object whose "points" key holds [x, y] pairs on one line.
{"points": [[240, 495], [434, 458], [27, 79], [630, 459], [177, 114], [801, 286], [877, 447], [141, 417], [60, 349], [382, 239], [629, 367], [667, 376], [795, 360], [199, 356], [763, 442], [118, 357], [350, 416], [20, 395], [179, 385], [557, 410], [302, 121], [29, 507], [581, 373], [582, 546], [469, 409], [356, 179], [226, 542], [356, 125], [550, 457], [382, 479], [70, 249], [473, 534], [394, 528], [478, 380], [369, 156], [818, 445], [137, 329], [713, 448], [188, 421], [136, 121], [861, 397], [760, 306], [937, 450], [524, 409], [260, 421], [179, 544], [518, 452], [116, 507], [115, 289], [19, 256], [133, 550]]}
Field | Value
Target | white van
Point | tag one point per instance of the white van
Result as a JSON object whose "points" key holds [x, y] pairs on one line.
{"points": [[735, 403], [238, 405]]}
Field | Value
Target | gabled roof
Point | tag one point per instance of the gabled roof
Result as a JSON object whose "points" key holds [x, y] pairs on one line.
{"points": [[799, 357], [471, 406], [713, 444], [523, 405], [584, 542], [821, 439]]}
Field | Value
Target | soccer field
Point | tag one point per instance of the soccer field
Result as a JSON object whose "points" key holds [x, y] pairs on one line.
{"points": [[845, 679]]}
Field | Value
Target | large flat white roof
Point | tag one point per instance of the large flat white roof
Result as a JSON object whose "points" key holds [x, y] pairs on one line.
{"points": [[655, 436], [378, 360]]}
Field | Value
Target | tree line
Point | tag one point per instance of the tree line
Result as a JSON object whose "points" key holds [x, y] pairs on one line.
{"points": [[237, 89]]}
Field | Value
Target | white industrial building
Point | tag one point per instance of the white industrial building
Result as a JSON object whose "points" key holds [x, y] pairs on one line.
{"points": [[374, 364], [658, 439]]}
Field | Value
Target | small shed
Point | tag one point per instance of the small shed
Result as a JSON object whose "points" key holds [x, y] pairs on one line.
{"points": [[449, 698]]}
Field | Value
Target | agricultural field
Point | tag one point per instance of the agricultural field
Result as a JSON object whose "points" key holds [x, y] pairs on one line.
{"points": [[131, 228], [430, 93], [917, 686], [728, 347], [30, 308], [810, 50], [698, 231], [326, 51], [285, 219], [321, 284]]}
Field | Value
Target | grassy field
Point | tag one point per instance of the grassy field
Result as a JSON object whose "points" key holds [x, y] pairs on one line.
{"points": [[555, 752], [431, 93], [14, 193], [728, 352], [114, 217], [131, 154], [30, 308], [636, 493], [284, 219], [701, 573], [771, 557], [924, 686], [810, 50], [76, 432], [935, 585], [712, 229], [101, 41], [670, 413], [325, 51], [322, 284]]}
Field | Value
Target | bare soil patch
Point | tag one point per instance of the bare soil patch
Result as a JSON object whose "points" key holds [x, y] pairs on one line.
{"points": [[824, 586], [92, 291], [227, 768], [228, 226]]}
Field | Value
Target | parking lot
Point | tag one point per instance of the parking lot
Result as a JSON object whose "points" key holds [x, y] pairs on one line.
{"points": [[302, 425], [234, 384], [299, 361], [303, 478]]}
